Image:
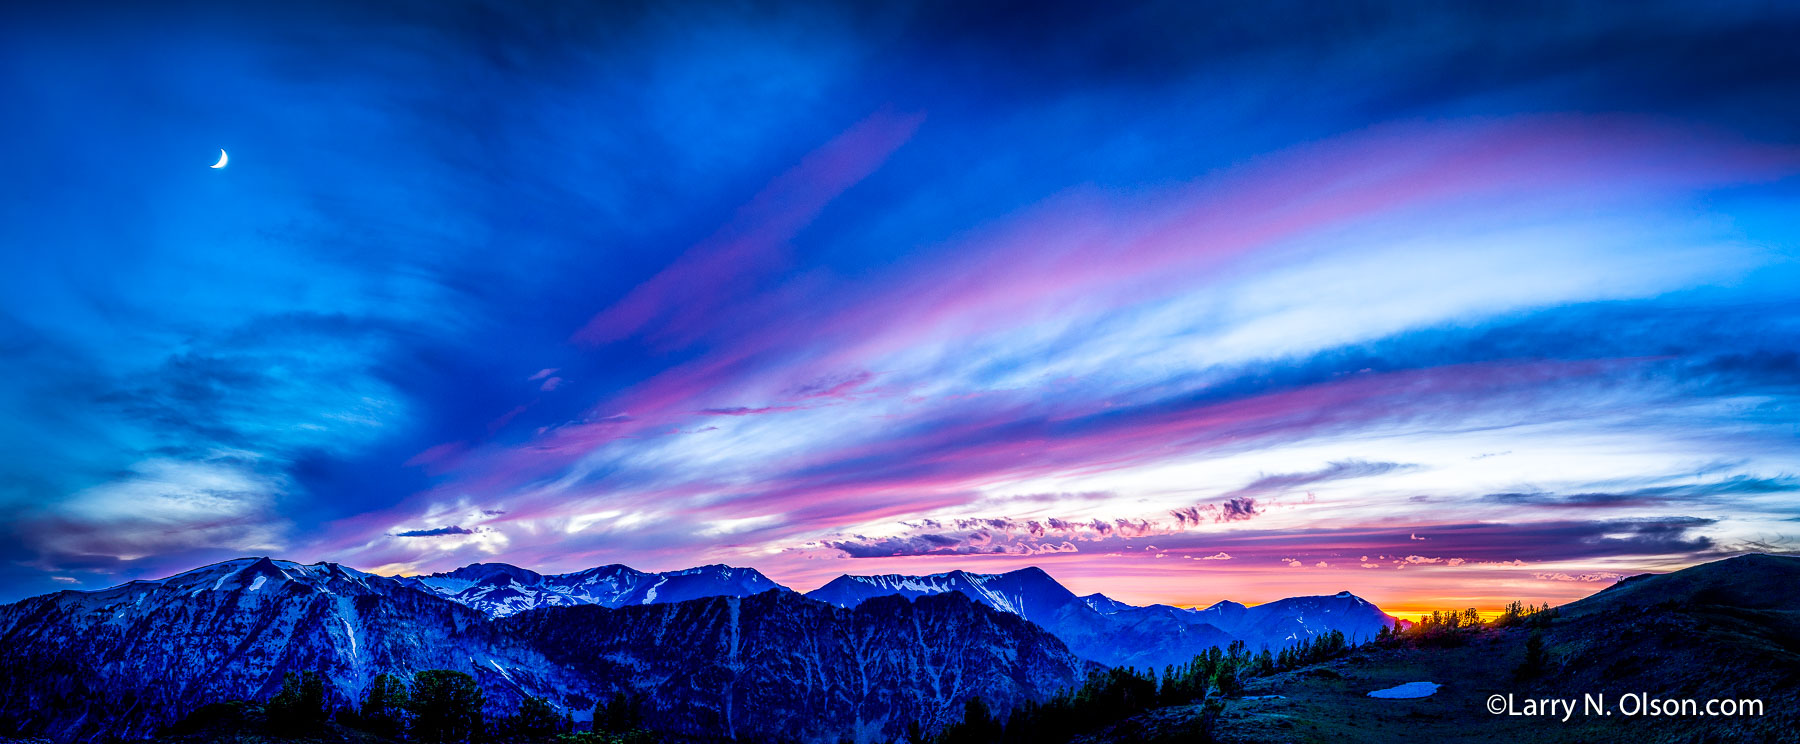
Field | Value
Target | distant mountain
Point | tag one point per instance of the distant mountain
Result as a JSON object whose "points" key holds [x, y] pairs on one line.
{"points": [[1110, 632], [1029, 593], [1103, 604], [126, 661], [1284, 622], [1222, 614], [499, 589]]}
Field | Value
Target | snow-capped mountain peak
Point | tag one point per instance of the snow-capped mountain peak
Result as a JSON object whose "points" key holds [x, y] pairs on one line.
{"points": [[1103, 604], [499, 589]]}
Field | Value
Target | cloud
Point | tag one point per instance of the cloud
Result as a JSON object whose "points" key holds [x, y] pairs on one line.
{"points": [[999, 535], [676, 304], [1344, 470], [163, 506], [1667, 538], [1217, 557], [1598, 576], [1736, 485], [940, 545], [1237, 509], [742, 411], [436, 532]]}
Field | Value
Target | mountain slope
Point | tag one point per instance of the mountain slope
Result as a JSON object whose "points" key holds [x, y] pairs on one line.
{"points": [[780, 666]]}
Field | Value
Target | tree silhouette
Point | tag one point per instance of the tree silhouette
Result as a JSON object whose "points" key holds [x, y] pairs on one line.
{"points": [[620, 714], [536, 717], [1535, 658], [384, 706], [446, 706], [299, 707]]}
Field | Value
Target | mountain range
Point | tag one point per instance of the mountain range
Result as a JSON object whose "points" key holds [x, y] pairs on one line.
{"points": [[715, 650], [1114, 633], [499, 589], [1095, 627]]}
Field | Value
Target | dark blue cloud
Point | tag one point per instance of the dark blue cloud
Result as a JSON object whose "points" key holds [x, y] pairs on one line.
{"points": [[1684, 493], [436, 532], [1279, 482]]}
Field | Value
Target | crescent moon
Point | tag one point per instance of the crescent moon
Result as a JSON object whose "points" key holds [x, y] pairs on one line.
{"points": [[222, 158]]}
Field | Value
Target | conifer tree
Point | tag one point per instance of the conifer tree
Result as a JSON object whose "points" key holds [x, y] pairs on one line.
{"points": [[536, 717], [300, 706], [1535, 658], [384, 706], [446, 706], [620, 714]]}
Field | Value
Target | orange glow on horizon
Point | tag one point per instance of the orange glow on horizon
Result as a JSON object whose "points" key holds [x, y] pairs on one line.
{"points": [[1140, 580]]}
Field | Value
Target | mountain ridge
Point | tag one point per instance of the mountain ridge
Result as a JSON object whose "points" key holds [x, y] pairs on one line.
{"points": [[478, 570], [1113, 633], [1096, 627]]}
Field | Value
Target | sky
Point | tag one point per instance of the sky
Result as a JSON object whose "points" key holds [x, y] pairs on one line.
{"points": [[1181, 302]]}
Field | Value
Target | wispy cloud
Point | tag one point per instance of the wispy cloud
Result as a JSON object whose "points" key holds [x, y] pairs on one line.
{"points": [[1347, 469], [436, 532], [1737, 485]]}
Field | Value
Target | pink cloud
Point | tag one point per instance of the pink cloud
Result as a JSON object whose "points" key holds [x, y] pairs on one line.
{"points": [[437, 455]]}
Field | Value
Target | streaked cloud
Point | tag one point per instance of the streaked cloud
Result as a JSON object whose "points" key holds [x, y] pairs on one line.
{"points": [[436, 532]]}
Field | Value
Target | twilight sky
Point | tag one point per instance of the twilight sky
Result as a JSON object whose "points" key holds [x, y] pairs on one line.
{"points": [[1178, 302]]}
